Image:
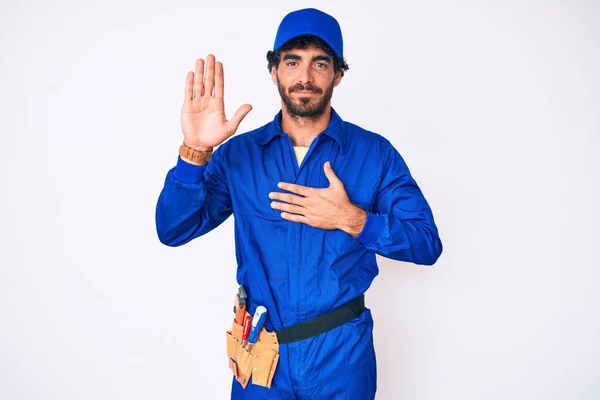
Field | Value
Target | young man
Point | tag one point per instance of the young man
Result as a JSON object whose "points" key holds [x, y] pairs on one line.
{"points": [[315, 199]]}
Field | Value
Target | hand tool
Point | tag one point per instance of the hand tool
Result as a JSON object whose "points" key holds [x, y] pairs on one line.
{"points": [[242, 294], [246, 331], [240, 305], [236, 305], [258, 321]]}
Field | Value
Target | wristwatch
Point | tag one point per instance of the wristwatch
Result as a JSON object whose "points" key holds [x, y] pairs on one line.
{"points": [[196, 156]]}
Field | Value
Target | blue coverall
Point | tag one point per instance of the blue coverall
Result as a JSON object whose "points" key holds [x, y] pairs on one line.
{"points": [[296, 271]]}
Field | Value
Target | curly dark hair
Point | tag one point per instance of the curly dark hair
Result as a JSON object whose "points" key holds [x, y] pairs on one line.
{"points": [[301, 42]]}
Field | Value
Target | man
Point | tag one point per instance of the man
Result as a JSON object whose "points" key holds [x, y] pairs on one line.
{"points": [[315, 199]]}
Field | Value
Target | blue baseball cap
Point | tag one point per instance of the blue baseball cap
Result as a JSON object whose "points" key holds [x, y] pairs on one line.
{"points": [[310, 21]]}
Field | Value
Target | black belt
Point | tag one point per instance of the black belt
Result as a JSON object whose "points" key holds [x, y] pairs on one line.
{"points": [[324, 323]]}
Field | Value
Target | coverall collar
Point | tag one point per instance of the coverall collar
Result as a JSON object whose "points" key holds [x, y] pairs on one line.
{"points": [[335, 130]]}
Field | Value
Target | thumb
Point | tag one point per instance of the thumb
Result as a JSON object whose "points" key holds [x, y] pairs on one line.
{"points": [[331, 176], [239, 115]]}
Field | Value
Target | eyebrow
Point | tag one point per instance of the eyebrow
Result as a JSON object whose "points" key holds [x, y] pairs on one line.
{"points": [[315, 58]]}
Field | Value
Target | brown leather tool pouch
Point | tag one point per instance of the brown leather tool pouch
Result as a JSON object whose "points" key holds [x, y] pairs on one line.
{"points": [[260, 361]]}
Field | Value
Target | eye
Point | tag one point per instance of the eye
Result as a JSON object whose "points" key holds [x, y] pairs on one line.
{"points": [[289, 63], [321, 65]]}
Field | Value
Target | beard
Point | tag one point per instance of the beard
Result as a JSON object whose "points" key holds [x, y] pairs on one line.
{"points": [[303, 108]]}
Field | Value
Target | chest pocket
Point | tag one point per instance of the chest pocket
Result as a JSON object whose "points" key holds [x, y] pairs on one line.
{"points": [[361, 195]]}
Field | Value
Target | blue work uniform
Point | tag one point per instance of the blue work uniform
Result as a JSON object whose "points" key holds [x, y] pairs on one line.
{"points": [[296, 271]]}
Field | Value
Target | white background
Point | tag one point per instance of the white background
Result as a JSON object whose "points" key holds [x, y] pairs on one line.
{"points": [[494, 105]]}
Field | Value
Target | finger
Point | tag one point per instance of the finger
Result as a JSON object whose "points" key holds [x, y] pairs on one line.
{"points": [[294, 217], [209, 79], [189, 87], [298, 189], [292, 208], [288, 198], [219, 81], [331, 176], [198, 78], [237, 118]]}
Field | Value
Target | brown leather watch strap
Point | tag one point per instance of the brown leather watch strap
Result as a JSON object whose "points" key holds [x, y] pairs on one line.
{"points": [[195, 156]]}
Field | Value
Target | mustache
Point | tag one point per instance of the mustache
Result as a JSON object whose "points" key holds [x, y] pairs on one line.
{"points": [[309, 87]]}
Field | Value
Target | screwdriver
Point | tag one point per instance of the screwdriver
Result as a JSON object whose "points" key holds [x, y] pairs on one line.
{"points": [[258, 321], [246, 331]]}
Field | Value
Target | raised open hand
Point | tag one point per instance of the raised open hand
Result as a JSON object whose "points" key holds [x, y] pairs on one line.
{"points": [[203, 119]]}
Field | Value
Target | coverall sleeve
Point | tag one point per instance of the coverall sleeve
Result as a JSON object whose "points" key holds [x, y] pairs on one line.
{"points": [[194, 200], [401, 226]]}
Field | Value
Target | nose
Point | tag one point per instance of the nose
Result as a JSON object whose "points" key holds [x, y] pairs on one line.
{"points": [[306, 75]]}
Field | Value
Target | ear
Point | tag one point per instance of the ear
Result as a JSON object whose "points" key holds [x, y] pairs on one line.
{"points": [[274, 74], [338, 78]]}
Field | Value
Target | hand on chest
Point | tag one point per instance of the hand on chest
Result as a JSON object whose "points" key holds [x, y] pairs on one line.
{"points": [[251, 184]]}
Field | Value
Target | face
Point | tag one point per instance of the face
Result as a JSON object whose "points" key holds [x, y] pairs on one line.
{"points": [[305, 79]]}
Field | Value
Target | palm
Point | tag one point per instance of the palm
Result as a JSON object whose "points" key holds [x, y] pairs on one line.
{"points": [[203, 119], [206, 127]]}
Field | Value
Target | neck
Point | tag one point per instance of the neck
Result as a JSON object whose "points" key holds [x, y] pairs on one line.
{"points": [[303, 130]]}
